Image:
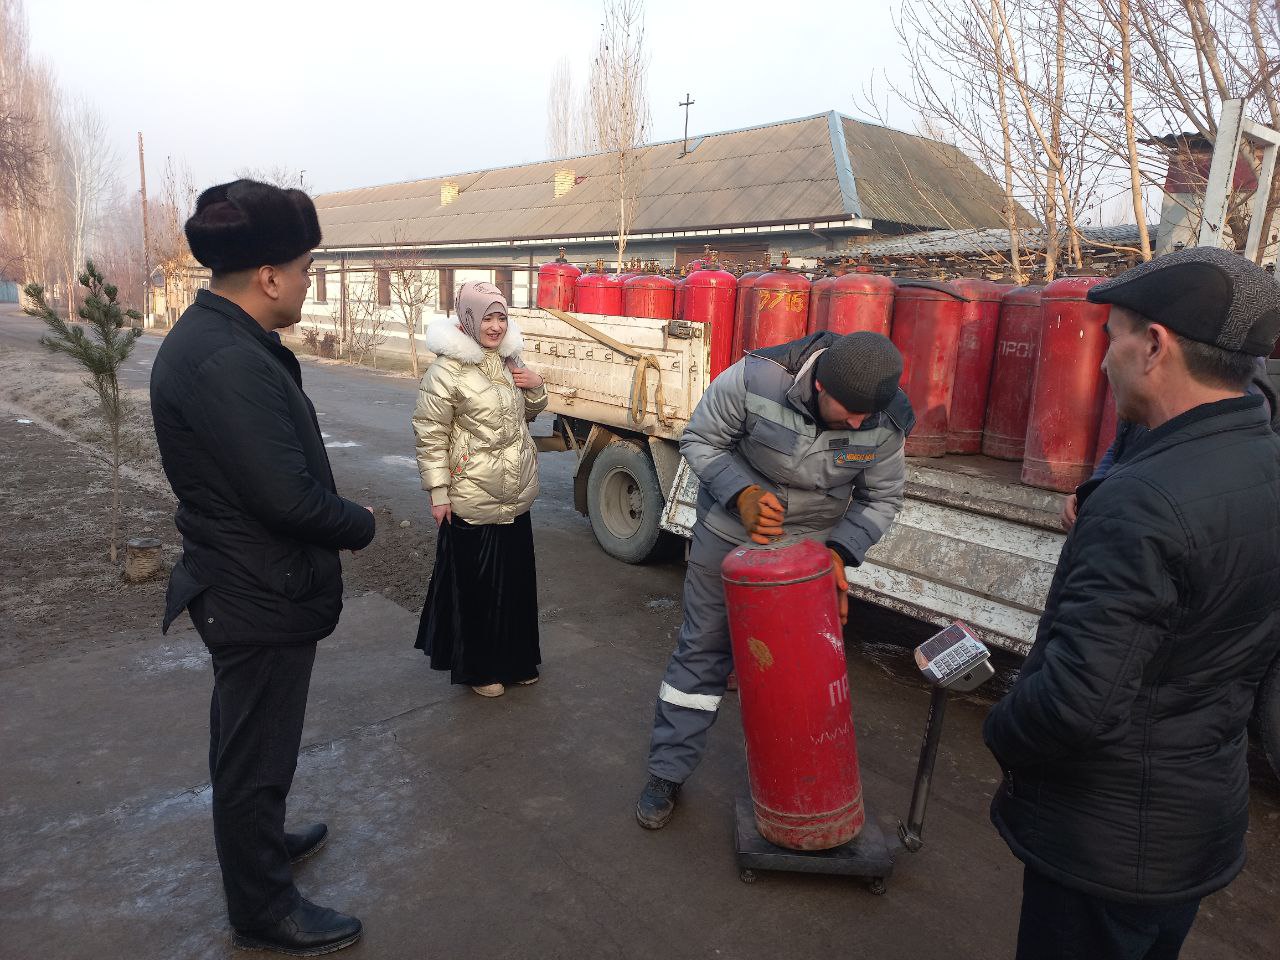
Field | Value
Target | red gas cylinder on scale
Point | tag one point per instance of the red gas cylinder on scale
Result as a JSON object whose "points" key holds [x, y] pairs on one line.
{"points": [[556, 283], [860, 301], [979, 324], [777, 308], [596, 292], [1067, 398], [793, 685], [710, 297], [745, 283], [927, 316], [649, 295], [1004, 435]]}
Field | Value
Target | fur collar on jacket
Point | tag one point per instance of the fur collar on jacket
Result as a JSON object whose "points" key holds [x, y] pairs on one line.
{"points": [[445, 337]]}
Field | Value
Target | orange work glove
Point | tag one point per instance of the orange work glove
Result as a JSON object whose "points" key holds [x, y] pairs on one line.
{"points": [[761, 514], [842, 587]]}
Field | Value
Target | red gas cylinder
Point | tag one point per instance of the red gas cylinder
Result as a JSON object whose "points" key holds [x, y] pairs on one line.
{"points": [[556, 281], [1106, 427], [739, 342], [819, 303], [1066, 401], [861, 301], [677, 311], [619, 280], [710, 297], [978, 326], [649, 295], [1004, 435], [927, 316], [597, 293], [793, 686], [777, 309]]}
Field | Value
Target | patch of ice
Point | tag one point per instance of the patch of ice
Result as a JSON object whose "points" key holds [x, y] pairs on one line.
{"points": [[342, 443], [23, 420]]}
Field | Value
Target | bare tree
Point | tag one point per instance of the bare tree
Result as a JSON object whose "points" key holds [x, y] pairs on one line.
{"points": [[618, 101], [169, 251], [32, 206], [280, 175], [413, 289], [21, 146], [89, 166], [564, 113], [365, 321]]}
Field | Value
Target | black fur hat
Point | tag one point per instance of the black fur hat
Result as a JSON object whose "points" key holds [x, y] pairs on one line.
{"points": [[246, 224]]}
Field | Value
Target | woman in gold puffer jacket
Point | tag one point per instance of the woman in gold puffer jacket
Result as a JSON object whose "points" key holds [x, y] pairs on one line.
{"points": [[477, 459]]}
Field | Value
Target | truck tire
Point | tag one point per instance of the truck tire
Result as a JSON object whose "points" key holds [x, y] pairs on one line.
{"points": [[624, 502], [1266, 715]]}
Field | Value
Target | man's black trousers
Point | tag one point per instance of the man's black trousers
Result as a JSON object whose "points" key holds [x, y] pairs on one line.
{"points": [[255, 728], [1059, 923]]}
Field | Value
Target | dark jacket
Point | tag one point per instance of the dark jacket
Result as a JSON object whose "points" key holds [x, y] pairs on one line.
{"points": [[261, 522], [1123, 741]]}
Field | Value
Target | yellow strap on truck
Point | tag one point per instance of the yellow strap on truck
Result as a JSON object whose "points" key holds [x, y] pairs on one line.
{"points": [[639, 381]]}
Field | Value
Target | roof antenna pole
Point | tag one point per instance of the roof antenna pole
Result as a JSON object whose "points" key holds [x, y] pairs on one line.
{"points": [[684, 150]]}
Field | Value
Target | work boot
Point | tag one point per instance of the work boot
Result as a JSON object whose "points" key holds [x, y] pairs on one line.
{"points": [[309, 931], [305, 842], [657, 802]]}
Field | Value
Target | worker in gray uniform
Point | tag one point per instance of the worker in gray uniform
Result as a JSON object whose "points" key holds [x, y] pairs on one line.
{"points": [[802, 439]]}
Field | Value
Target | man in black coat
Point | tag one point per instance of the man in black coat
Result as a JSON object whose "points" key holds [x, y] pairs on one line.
{"points": [[261, 526], [1123, 741]]}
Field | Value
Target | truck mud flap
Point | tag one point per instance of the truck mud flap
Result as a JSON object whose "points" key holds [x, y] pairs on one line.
{"points": [[681, 511]]}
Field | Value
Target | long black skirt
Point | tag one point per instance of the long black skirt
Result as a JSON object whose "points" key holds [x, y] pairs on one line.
{"points": [[480, 619]]}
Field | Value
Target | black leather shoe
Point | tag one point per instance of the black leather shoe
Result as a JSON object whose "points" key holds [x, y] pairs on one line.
{"points": [[309, 931], [306, 842], [657, 802]]}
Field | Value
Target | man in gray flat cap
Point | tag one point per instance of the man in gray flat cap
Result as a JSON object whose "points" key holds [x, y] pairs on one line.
{"points": [[807, 438], [1123, 742]]}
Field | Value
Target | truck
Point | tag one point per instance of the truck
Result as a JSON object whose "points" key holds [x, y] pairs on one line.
{"points": [[972, 542]]}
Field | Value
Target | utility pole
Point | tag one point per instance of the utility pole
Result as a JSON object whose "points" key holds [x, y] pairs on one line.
{"points": [[686, 104], [146, 237]]}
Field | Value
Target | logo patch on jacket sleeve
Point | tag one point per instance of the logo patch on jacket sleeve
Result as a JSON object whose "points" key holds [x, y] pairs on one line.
{"points": [[854, 456]]}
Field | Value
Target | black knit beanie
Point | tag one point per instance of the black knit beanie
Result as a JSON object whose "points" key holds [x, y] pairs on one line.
{"points": [[246, 224], [861, 370]]}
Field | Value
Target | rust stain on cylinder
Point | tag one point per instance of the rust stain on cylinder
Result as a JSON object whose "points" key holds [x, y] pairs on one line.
{"points": [[762, 654]]}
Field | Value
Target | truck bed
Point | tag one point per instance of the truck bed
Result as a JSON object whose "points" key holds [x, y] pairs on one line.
{"points": [[972, 543]]}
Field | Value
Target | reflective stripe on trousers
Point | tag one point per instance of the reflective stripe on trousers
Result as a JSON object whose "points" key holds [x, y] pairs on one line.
{"points": [[699, 668], [694, 701]]}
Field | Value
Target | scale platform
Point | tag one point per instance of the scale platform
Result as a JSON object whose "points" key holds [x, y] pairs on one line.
{"points": [[868, 855]]}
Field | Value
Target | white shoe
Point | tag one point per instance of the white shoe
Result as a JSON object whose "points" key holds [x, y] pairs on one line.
{"points": [[490, 690], [528, 683]]}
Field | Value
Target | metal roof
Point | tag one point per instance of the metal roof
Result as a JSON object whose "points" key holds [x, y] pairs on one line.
{"points": [[950, 242], [789, 172]]}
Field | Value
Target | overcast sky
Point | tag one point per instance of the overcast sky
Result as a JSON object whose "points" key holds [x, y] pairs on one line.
{"points": [[363, 92]]}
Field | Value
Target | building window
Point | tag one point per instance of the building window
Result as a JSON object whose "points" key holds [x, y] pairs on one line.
{"points": [[322, 295], [384, 288]]}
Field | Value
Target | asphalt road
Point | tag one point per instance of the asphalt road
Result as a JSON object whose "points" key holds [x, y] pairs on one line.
{"points": [[521, 808]]}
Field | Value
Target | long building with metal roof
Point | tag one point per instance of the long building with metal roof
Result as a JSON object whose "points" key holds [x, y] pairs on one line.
{"points": [[827, 173]]}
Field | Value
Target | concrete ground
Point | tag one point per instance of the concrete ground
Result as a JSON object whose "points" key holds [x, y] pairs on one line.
{"points": [[464, 827]]}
